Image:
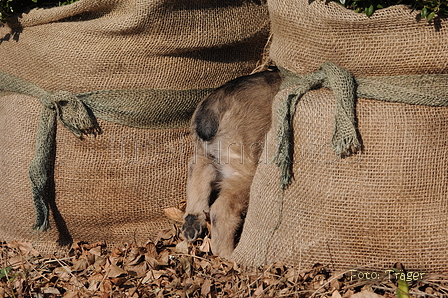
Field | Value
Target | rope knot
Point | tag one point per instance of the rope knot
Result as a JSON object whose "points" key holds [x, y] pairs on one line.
{"points": [[345, 137], [72, 112]]}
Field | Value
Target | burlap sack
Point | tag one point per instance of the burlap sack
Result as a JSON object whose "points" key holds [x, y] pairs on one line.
{"points": [[113, 187], [388, 202], [391, 42]]}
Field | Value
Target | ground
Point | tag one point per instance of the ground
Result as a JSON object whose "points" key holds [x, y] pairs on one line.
{"points": [[171, 267]]}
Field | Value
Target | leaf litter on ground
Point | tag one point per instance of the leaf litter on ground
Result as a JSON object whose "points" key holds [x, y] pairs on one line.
{"points": [[169, 266]]}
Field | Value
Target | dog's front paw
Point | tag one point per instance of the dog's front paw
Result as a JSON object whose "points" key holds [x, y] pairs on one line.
{"points": [[193, 227]]}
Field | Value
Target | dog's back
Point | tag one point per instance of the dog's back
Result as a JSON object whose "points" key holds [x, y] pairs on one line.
{"points": [[245, 100]]}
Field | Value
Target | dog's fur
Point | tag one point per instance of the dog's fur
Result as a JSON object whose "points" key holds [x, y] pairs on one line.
{"points": [[229, 127]]}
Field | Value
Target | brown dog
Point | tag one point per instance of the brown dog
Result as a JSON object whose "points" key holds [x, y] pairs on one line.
{"points": [[229, 127]]}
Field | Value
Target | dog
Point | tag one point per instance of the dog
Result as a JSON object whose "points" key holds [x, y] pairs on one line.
{"points": [[229, 127]]}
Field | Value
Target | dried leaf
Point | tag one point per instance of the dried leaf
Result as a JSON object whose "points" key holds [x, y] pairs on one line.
{"points": [[152, 275], [93, 285], [206, 245], [50, 290], [347, 294], [183, 205], [15, 262], [133, 254], [336, 294], [118, 281], [236, 268], [186, 264], [115, 271], [106, 286], [63, 272], [133, 292], [335, 284], [75, 282], [25, 248], [90, 258], [96, 277], [116, 252], [80, 264], [366, 294], [174, 214], [164, 257], [209, 227], [87, 246], [226, 266], [151, 250], [70, 294], [138, 269], [167, 271], [151, 256], [166, 237], [259, 291], [99, 261], [291, 275], [96, 251], [182, 247], [135, 260], [153, 263], [204, 265]]}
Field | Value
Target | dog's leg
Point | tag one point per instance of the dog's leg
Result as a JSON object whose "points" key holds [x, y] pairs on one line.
{"points": [[202, 176], [228, 210]]}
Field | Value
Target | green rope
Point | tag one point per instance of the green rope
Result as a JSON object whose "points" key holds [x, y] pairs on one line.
{"points": [[429, 90], [40, 171], [142, 108]]}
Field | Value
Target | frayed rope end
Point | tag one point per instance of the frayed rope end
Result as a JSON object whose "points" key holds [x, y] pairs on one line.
{"points": [[345, 146], [42, 227]]}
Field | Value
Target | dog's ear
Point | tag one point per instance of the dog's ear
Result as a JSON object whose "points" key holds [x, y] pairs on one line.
{"points": [[210, 111], [206, 120]]}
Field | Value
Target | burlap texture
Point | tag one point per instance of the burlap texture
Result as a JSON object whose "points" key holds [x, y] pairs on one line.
{"points": [[136, 44], [113, 187], [383, 205], [390, 42]]}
